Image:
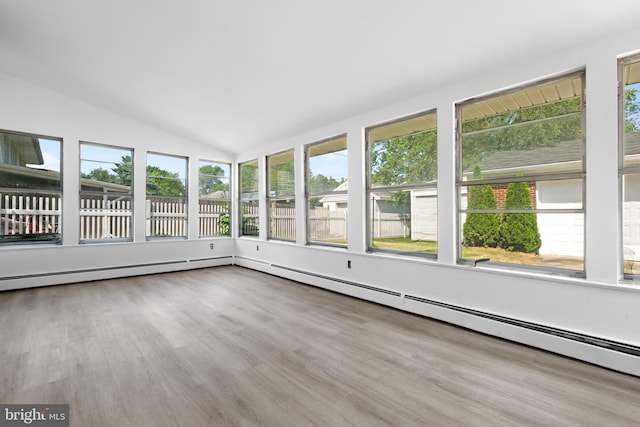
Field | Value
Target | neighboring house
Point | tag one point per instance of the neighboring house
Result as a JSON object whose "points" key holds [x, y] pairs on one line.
{"points": [[561, 233]]}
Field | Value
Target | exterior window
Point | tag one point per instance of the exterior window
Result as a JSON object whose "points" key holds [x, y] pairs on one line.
{"points": [[327, 191], [214, 199], [630, 163], [281, 196], [521, 177], [249, 201], [166, 203], [402, 186], [30, 188], [106, 208]]}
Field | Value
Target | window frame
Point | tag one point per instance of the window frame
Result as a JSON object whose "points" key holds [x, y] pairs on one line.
{"points": [[309, 195], [432, 185], [130, 194], [283, 198], [202, 215], [624, 171], [59, 193], [254, 201], [185, 215], [460, 183]]}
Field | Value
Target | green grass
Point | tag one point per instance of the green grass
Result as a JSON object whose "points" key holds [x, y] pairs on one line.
{"points": [[406, 244], [494, 254]]}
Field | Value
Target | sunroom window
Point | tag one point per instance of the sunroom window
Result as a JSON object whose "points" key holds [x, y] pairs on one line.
{"points": [[214, 199], [402, 186], [327, 193], [629, 69], [281, 196], [249, 200], [521, 177], [30, 188], [106, 193], [166, 203]]}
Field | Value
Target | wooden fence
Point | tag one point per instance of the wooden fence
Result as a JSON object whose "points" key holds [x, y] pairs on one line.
{"points": [[327, 226]]}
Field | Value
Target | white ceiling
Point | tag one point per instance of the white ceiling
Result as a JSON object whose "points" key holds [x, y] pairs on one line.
{"points": [[233, 74]]}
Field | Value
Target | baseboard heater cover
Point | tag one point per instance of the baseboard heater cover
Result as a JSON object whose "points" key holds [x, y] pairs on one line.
{"points": [[574, 336], [346, 282], [117, 267], [257, 261]]}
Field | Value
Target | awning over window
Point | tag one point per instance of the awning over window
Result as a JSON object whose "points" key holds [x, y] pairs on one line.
{"points": [[422, 123], [537, 95]]}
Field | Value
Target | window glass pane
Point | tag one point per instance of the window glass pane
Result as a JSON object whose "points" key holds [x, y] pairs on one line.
{"points": [[30, 188], [529, 132], [281, 196], [537, 223], [402, 186], [631, 224], [631, 161], [327, 165], [166, 210], [250, 218], [405, 159], [214, 199], [106, 208], [631, 125], [534, 132], [249, 194], [327, 187], [327, 219], [405, 220], [280, 169], [105, 169], [282, 219]]}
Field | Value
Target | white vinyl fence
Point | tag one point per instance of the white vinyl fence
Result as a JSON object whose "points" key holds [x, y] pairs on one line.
{"points": [[105, 219], [36, 215]]}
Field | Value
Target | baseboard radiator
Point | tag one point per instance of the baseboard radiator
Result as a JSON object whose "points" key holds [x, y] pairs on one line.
{"points": [[178, 264], [569, 335]]}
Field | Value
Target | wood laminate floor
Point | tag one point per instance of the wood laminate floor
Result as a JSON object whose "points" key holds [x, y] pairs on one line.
{"points": [[228, 346]]}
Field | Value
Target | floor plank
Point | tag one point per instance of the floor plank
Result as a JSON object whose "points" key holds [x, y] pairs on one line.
{"points": [[228, 346]]}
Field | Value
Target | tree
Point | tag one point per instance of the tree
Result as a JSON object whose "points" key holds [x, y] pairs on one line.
{"points": [[519, 231], [405, 160], [211, 180], [522, 129], [163, 183], [481, 229], [631, 110], [122, 171], [322, 184], [102, 175]]}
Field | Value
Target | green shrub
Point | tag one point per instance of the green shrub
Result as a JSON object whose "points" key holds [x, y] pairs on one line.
{"points": [[519, 231], [481, 229]]}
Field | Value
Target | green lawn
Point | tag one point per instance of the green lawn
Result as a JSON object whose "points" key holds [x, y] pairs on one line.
{"points": [[494, 254], [406, 244]]}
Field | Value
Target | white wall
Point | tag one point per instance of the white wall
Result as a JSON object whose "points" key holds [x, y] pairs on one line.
{"points": [[600, 305], [27, 108]]}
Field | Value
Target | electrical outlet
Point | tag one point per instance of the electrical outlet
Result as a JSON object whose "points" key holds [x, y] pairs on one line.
{"points": [[211, 246], [348, 263]]}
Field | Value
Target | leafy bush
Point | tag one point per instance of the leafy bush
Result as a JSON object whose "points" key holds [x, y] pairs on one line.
{"points": [[519, 231], [481, 229]]}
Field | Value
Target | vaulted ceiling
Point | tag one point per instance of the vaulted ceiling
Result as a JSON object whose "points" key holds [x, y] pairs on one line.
{"points": [[234, 74]]}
